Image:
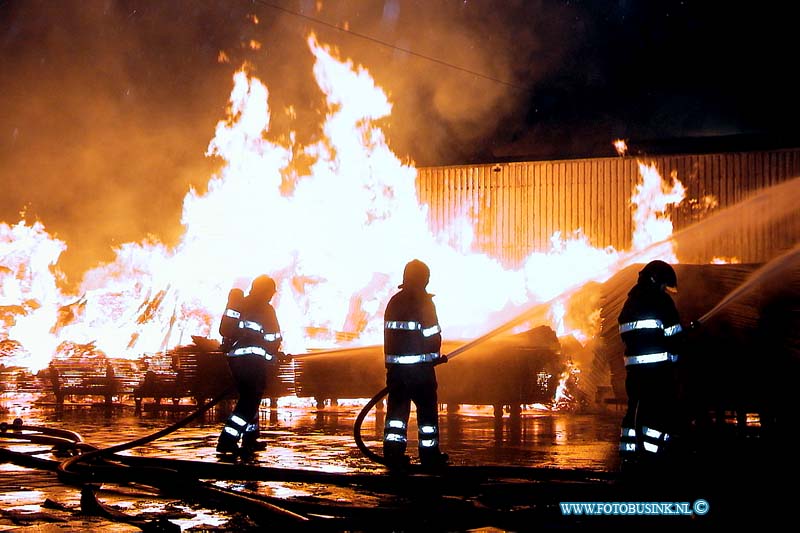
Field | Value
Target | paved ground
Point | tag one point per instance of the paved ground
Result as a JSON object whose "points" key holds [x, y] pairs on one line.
{"points": [[575, 455]]}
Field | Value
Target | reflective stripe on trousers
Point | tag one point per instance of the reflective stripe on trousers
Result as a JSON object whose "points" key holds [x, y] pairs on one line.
{"points": [[653, 440], [428, 437], [235, 426], [627, 440], [395, 431]]}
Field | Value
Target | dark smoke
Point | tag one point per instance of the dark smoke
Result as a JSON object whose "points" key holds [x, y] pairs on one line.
{"points": [[106, 112]]}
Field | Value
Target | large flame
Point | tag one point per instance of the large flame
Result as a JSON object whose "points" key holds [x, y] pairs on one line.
{"points": [[334, 232], [651, 225]]}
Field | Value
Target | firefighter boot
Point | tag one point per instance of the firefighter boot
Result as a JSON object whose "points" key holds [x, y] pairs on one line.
{"points": [[395, 456], [251, 444], [227, 444], [433, 458], [231, 433]]}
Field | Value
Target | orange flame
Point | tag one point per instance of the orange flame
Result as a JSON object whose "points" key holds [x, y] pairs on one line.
{"points": [[651, 224], [335, 237], [716, 260]]}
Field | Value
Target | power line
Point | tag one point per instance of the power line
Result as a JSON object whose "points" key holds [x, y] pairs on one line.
{"points": [[389, 45]]}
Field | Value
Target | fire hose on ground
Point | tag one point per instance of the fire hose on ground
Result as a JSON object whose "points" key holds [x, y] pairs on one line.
{"points": [[182, 478], [99, 468], [377, 458]]}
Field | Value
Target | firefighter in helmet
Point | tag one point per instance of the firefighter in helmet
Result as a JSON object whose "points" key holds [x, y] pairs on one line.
{"points": [[412, 345], [252, 337], [649, 325]]}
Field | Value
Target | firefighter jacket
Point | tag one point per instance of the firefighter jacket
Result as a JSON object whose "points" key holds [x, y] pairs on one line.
{"points": [[411, 328], [649, 325], [258, 331]]}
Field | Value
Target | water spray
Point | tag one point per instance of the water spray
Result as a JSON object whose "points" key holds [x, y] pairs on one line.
{"points": [[783, 262]]}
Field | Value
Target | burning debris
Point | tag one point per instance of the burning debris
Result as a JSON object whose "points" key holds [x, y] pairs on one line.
{"points": [[83, 370], [153, 299], [526, 368]]}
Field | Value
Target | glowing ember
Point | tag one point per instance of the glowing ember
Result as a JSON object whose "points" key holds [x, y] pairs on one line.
{"points": [[621, 147], [335, 235], [725, 260]]}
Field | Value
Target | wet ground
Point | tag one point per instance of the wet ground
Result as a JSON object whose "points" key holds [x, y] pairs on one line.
{"points": [[507, 474]]}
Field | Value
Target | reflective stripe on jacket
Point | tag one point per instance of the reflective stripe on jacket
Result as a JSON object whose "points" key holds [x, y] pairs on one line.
{"points": [[411, 329], [649, 325]]}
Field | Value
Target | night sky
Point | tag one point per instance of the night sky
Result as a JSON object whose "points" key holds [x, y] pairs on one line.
{"points": [[108, 106]]}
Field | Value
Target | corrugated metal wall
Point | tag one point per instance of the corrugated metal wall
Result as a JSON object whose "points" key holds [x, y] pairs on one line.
{"points": [[515, 208]]}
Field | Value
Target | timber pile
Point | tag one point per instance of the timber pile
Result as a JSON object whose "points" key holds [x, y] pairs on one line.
{"points": [[510, 370], [96, 376], [198, 371]]}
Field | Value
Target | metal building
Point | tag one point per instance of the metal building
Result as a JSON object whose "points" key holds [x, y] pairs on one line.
{"points": [[516, 207]]}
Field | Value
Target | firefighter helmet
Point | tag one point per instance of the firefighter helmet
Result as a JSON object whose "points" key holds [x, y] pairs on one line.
{"points": [[263, 286], [415, 275], [660, 274]]}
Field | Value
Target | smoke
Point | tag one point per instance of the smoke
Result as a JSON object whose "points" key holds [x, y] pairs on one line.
{"points": [[107, 109], [479, 66], [108, 106]]}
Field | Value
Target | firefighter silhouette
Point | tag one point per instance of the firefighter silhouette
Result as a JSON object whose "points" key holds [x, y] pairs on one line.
{"points": [[412, 344], [649, 325], [252, 338]]}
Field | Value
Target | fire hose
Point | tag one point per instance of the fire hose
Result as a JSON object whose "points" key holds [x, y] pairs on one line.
{"points": [[453, 506], [162, 476], [787, 258], [65, 473], [183, 478], [377, 458]]}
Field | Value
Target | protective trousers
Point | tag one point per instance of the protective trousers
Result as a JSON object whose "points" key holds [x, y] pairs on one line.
{"points": [[411, 383], [649, 423], [250, 376]]}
